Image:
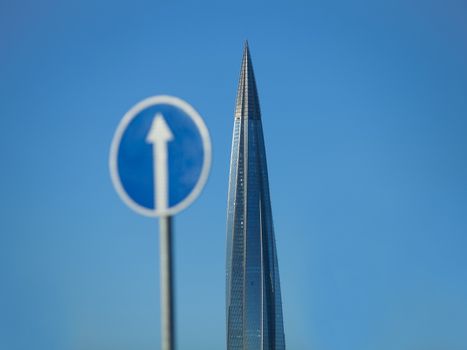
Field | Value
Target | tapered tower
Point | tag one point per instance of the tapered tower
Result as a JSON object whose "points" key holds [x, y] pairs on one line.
{"points": [[253, 297]]}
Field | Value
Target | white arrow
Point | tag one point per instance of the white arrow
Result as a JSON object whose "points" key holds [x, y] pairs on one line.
{"points": [[159, 135]]}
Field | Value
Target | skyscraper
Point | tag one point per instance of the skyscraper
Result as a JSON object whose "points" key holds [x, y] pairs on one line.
{"points": [[253, 297]]}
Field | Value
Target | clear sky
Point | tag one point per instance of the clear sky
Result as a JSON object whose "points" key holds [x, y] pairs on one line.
{"points": [[365, 119]]}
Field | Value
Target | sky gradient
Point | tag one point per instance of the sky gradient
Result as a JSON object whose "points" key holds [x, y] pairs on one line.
{"points": [[365, 120]]}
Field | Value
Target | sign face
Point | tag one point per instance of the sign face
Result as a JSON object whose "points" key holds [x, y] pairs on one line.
{"points": [[160, 156]]}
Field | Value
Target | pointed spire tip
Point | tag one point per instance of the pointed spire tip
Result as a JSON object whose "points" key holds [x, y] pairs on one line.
{"points": [[247, 106], [246, 49]]}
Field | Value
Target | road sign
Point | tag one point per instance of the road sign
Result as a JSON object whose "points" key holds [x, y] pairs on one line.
{"points": [[160, 156]]}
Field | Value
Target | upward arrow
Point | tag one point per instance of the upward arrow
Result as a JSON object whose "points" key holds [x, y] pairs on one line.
{"points": [[159, 135]]}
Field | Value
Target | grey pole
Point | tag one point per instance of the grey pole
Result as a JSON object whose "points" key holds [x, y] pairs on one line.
{"points": [[167, 300]]}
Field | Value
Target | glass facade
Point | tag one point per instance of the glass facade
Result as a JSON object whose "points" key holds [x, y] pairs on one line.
{"points": [[253, 298]]}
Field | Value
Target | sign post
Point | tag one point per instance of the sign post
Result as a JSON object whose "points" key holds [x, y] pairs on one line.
{"points": [[167, 302], [159, 162]]}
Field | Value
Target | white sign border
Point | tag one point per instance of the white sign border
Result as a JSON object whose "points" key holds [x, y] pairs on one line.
{"points": [[113, 159]]}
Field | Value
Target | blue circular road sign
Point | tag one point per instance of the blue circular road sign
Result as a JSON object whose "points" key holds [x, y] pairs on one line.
{"points": [[160, 156]]}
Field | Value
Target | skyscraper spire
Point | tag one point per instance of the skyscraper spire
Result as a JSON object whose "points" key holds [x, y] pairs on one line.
{"points": [[247, 106], [253, 297]]}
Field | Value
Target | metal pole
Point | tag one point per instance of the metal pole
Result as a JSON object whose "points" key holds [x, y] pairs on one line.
{"points": [[167, 300]]}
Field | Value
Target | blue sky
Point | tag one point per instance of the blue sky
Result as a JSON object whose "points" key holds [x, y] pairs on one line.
{"points": [[365, 119]]}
